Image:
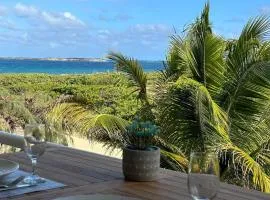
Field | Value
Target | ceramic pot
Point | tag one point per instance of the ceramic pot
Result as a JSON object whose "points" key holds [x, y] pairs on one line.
{"points": [[141, 165]]}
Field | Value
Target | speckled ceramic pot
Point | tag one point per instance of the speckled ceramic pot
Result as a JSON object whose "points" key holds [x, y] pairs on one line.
{"points": [[140, 165]]}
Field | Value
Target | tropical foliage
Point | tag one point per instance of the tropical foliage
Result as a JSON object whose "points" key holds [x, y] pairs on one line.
{"points": [[219, 98], [27, 98], [213, 95]]}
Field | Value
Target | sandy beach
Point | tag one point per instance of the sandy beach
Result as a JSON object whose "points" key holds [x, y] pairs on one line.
{"points": [[95, 147], [79, 143]]}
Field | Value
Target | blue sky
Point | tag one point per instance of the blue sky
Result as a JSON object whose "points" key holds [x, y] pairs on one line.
{"points": [[91, 28]]}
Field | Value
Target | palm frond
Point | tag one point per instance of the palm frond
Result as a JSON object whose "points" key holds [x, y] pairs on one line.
{"points": [[264, 51], [248, 95], [189, 118], [262, 154], [175, 65], [134, 71], [100, 127], [257, 28], [245, 94], [202, 24], [248, 166], [244, 56], [174, 161], [201, 56]]}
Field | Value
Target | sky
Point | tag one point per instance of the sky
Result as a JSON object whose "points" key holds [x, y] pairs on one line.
{"points": [[92, 28]]}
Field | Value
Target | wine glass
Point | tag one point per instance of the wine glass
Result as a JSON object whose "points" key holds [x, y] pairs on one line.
{"points": [[35, 145], [203, 175]]}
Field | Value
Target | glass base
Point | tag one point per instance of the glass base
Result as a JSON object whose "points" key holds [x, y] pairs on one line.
{"points": [[197, 198], [34, 180]]}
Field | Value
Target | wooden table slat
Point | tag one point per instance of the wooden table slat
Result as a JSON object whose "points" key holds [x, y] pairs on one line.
{"points": [[89, 173]]}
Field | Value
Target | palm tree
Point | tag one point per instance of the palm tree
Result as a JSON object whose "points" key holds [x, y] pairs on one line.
{"points": [[213, 95], [220, 100]]}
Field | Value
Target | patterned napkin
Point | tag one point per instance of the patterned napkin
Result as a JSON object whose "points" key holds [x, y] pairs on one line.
{"points": [[49, 184]]}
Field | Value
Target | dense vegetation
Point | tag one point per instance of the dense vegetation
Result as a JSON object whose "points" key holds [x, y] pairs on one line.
{"points": [[213, 95], [28, 98]]}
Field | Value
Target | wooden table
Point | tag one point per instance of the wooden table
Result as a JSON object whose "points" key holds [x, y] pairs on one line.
{"points": [[88, 173]]}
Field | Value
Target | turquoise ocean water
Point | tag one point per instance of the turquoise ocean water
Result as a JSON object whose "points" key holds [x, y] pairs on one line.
{"points": [[65, 67]]}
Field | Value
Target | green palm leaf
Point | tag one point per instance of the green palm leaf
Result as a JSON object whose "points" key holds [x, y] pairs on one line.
{"points": [[100, 127], [175, 65], [245, 57], [202, 24], [189, 118], [249, 167], [262, 153], [176, 161], [77, 115], [134, 72], [201, 54], [257, 28]]}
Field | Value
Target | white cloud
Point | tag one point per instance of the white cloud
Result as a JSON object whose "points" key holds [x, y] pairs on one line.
{"points": [[136, 36], [7, 24], [104, 31], [3, 10], [54, 45], [25, 36], [265, 10], [3, 38], [47, 31], [150, 28], [68, 15], [26, 11], [146, 42], [64, 20], [12, 38], [61, 20]]}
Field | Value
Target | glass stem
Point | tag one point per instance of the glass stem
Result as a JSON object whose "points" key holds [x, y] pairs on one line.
{"points": [[34, 166]]}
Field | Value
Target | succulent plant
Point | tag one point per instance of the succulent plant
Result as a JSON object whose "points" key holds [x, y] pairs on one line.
{"points": [[141, 134]]}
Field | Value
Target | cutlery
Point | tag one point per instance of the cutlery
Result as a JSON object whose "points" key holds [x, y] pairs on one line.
{"points": [[17, 187], [12, 183]]}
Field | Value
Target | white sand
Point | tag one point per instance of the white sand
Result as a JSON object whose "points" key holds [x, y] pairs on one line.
{"points": [[83, 144]]}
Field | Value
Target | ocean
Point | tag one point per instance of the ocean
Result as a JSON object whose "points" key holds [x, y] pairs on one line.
{"points": [[66, 67]]}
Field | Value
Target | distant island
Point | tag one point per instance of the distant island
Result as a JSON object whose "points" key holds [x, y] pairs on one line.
{"points": [[57, 59]]}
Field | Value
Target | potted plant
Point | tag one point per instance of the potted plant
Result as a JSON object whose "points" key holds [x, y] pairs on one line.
{"points": [[141, 160]]}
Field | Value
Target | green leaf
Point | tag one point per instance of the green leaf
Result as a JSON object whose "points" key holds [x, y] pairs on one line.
{"points": [[133, 70]]}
